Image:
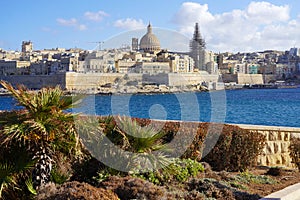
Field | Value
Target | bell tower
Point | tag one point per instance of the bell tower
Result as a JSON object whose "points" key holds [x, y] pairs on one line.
{"points": [[197, 49]]}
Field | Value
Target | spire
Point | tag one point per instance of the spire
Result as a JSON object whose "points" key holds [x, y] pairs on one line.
{"points": [[149, 28], [197, 36]]}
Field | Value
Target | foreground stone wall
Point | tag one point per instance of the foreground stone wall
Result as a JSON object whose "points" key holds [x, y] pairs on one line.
{"points": [[276, 152]]}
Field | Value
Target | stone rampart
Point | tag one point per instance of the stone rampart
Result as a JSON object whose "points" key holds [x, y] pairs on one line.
{"points": [[83, 81], [250, 79], [276, 152], [243, 78], [89, 81], [178, 79], [36, 81]]}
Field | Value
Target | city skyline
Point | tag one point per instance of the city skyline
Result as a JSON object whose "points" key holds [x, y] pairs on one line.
{"points": [[236, 26]]}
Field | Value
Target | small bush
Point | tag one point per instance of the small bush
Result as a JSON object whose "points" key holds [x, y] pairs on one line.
{"points": [[275, 171], [295, 151], [246, 177], [211, 189], [236, 149], [133, 188], [179, 170]]}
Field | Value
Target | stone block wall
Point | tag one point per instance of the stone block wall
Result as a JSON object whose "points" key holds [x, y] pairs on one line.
{"points": [[243, 78], [250, 79], [88, 81], [37, 81], [276, 151]]}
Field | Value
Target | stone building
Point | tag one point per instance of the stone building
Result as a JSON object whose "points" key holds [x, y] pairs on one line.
{"points": [[14, 67], [135, 44], [181, 63], [152, 67], [27, 47], [125, 66]]}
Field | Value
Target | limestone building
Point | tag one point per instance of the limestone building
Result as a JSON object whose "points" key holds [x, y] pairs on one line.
{"points": [[135, 44], [27, 47]]}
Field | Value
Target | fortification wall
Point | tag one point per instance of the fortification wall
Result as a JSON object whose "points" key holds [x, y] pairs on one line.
{"points": [[88, 81], [91, 81], [243, 78], [250, 79], [269, 78], [178, 79], [36, 81], [276, 152], [83, 81], [227, 78]]}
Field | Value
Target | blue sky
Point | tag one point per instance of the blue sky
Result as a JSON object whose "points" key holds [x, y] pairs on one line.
{"points": [[226, 25]]}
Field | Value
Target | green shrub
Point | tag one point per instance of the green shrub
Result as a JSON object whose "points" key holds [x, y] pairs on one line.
{"points": [[180, 170], [236, 149], [295, 151], [246, 177], [190, 135], [58, 177]]}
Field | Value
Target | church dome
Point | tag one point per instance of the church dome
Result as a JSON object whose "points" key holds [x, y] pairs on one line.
{"points": [[149, 41]]}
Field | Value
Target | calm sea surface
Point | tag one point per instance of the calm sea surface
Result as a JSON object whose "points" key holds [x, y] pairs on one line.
{"points": [[277, 107]]}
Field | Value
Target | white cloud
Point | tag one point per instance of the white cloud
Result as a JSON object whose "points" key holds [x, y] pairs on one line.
{"points": [[129, 24], [72, 23], [95, 16], [191, 12], [266, 13], [260, 26]]}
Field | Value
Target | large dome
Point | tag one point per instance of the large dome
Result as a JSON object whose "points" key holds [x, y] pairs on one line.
{"points": [[149, 41]]}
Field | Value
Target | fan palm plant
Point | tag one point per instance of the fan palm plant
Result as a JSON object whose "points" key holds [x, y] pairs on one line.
{"points": [[42, 126], [146, 144], [12, 169]]}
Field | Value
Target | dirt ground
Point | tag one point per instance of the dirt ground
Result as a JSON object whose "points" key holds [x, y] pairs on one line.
{"points": [[284, 178]]}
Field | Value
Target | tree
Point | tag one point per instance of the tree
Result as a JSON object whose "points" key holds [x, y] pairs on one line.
{"points": [[42, 126]]}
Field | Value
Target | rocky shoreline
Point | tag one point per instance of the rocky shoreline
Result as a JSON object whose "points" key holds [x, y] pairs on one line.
{"points": [[147, 89]]}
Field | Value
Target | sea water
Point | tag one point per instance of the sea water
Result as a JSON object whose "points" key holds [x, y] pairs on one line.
{"points": [[275, 107]]}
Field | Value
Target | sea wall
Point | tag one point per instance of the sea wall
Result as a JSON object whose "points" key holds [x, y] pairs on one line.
{"points": [[276, 151], [191, 78], [36, 81], [89, 81], [243, 78], [84, 81], [250, 79], [270, 78]]}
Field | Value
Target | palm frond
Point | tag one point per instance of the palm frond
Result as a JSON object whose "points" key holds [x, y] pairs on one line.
{"points": [[141, 139], [30, 186], [7, 177]]}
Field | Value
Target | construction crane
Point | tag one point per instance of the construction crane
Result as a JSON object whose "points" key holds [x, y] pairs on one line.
{"points": [[99, 44]]}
